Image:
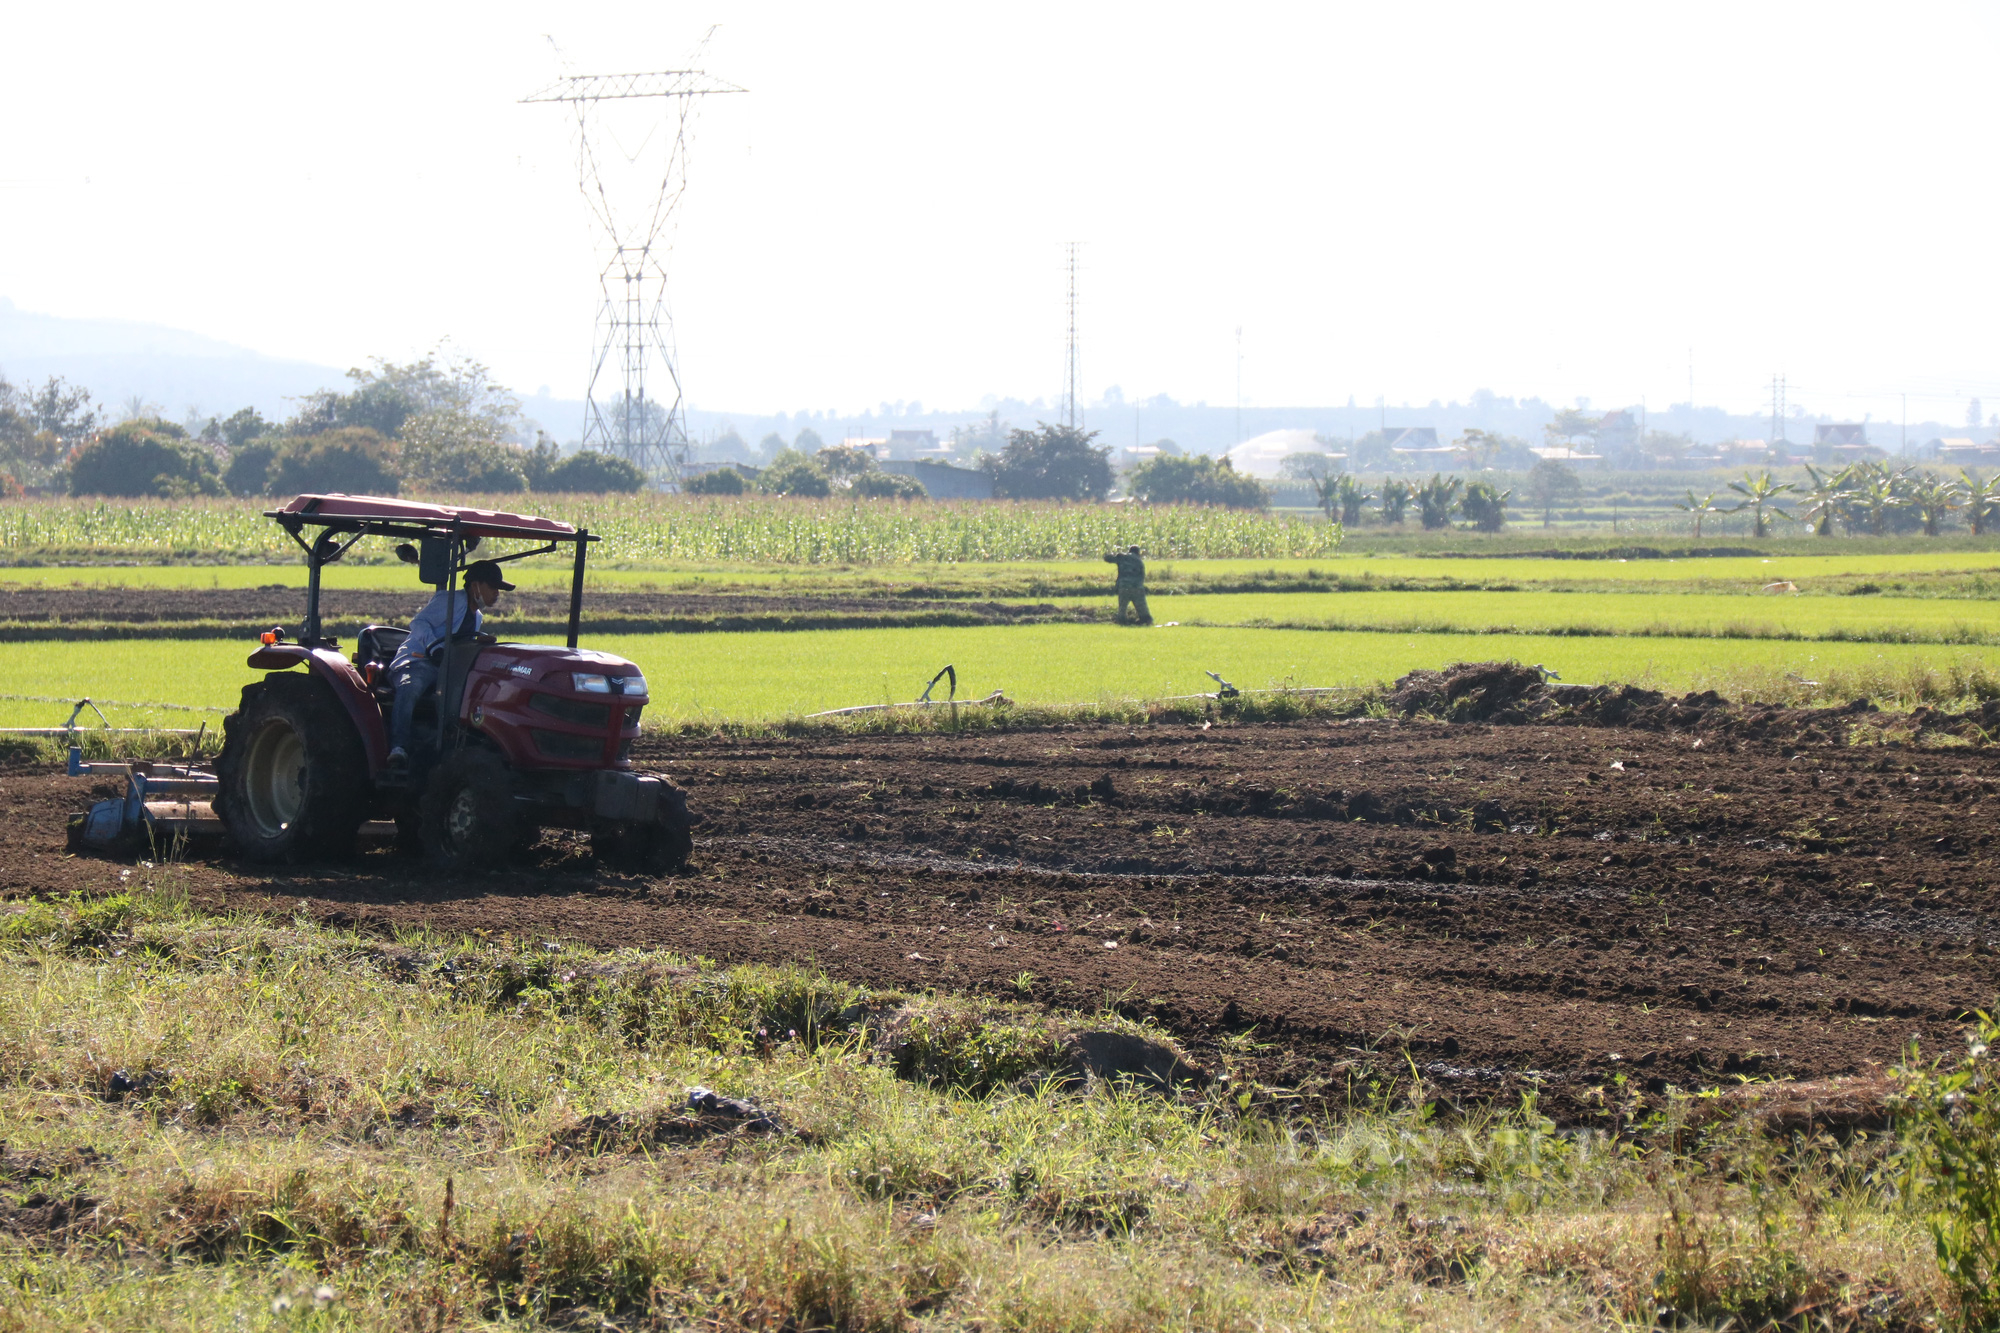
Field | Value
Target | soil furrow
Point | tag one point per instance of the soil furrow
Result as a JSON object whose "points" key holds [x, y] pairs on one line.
{"points": [[1502, 905]]}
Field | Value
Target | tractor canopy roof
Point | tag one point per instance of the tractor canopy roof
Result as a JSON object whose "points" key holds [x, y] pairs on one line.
{"points": [[404, 518]]}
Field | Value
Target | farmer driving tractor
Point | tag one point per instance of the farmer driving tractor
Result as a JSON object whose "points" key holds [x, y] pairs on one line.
{"points": [[414, 671]]}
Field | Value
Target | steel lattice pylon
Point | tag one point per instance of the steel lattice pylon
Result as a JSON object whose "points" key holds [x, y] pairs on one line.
{"points": [[634, 327]]}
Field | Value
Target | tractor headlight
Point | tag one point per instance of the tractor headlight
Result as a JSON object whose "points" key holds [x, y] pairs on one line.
{"points": [[584, 682], [633, 684]]}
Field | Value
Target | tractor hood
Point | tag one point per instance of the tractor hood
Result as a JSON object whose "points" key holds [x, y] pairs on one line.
{"points": [[568, 670]]}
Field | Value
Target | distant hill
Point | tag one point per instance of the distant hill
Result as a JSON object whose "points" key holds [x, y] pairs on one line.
{"points": [[119, 359], [177, 370]]}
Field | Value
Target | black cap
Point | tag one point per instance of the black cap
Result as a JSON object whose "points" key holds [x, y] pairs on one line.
{"points": [[487, 571]]}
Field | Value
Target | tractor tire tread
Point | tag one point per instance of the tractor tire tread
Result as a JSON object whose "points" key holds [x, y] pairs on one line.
{"points": [[335, 799]]}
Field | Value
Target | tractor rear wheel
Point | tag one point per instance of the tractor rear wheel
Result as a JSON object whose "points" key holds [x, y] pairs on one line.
{"points": [[467, 813], [292, 777]]}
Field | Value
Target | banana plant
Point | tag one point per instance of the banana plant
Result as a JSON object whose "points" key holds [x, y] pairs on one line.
{"points": [[1350, 496], [1323, 495], [1396, 495], [1980, 500], [1825, 499], [1436, 499], [1701, 508], [1881, 491], [1933, 499], [1761, 493]]}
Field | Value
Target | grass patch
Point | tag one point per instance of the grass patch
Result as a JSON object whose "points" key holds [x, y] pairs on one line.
{"points": [[1650, 614], [258, 1123], [763, 679], [1839, 565]]}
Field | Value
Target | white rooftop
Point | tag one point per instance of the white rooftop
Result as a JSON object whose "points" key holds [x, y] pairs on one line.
{"points": [[1259, 456]]}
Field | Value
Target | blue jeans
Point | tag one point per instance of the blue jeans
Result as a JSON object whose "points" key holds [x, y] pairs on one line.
{"points": [[414, 680]]}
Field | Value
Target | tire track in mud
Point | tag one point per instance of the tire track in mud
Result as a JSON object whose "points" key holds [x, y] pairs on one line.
{"points": [[1910, 924]]}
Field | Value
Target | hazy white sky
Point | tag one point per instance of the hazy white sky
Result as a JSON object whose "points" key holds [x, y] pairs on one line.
{"points": [[1403, 200]]}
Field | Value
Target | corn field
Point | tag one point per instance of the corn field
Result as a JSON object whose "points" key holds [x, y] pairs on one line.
{"points": [[657, 529]]}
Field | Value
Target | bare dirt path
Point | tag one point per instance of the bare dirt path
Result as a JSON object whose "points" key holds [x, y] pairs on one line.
{"points": [[1498, 904]]}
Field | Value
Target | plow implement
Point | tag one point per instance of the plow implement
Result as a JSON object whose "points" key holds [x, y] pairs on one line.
{"points": [[164, 803]]}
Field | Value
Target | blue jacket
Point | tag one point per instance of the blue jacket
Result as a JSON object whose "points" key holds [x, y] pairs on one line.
{"points": [[431, 626]]}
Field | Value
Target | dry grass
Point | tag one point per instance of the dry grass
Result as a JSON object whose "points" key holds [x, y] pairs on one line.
{"points": [[207, 1122]]}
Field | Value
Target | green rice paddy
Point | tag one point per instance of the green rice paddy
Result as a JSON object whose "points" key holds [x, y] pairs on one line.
{"points": [[766, 677], [1737, 573], [1332, 616], [1672, 614]]}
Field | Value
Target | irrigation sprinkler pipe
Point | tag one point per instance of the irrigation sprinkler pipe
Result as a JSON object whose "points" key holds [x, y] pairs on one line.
{"points": [[69, 728], [999, 697], [102, 731]]}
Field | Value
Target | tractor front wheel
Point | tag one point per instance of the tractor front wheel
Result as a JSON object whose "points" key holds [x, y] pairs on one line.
{"points": [[292, 780], [467, 813], [660, 847]]}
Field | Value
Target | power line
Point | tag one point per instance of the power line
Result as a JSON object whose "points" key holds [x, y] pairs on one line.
{"points": [[634, 327], [1070, 418]]}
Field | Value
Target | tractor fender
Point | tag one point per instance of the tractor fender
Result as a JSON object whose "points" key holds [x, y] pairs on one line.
{"points": [[347, 686]]}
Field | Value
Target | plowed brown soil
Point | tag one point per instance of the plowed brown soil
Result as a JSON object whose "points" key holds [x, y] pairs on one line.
{"points": [[1499, 904], [57, 612]]}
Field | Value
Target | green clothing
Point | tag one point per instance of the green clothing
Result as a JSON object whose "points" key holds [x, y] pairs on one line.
{"points": [[1131, 585], [1131, 569]]}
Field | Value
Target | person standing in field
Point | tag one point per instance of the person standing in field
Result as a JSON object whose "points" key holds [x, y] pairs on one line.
{"points": [[1131, 584]]}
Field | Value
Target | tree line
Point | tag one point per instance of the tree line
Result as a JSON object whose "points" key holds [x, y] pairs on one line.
{"points": [[438, 423], [1875, 499], [1049, 462]]}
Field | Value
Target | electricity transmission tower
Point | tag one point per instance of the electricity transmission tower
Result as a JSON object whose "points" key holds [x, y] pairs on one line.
{"points": [[635, 331], [1778, 410], [1070, 361]]}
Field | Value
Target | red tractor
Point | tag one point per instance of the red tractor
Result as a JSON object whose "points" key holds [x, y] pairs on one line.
{"points": [[514, 737]]}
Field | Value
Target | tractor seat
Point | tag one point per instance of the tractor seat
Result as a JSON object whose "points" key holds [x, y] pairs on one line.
{"points": [[374, 649]]}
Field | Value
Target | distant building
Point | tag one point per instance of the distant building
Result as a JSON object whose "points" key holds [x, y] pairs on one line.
{"points": [[1413, 440], [942, 480], [1260, 455], [1618, 430], [1963, 451], [1836, 433], [875, 446], [912, 443], [1562, 453], [1729, 453]]}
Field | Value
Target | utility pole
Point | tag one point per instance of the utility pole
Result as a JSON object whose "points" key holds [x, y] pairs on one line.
{"points": [[1239, 384], [1903, 441], [634, 326], [1070, 363]]}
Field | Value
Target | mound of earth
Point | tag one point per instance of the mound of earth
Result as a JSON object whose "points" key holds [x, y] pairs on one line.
{"points": [[1473, 692], [1510, 694]]}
